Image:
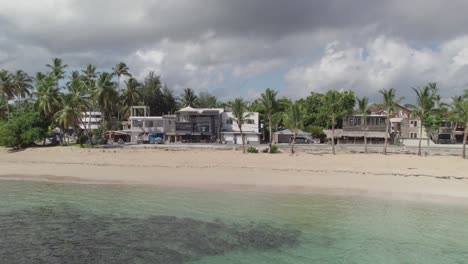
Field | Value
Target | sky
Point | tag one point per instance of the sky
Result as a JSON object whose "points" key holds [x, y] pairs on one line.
{"points": [[238, 48]]}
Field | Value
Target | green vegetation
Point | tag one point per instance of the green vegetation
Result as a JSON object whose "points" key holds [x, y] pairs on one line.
{"points": [[252, 150], [274, 149], [23, 130], [60, 97]]}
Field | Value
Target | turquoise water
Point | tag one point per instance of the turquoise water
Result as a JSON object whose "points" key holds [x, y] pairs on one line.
{"points": [[60, 223]]}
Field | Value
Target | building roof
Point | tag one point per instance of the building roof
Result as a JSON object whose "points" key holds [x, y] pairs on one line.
{"points": [[290, 132], [190, 109]]}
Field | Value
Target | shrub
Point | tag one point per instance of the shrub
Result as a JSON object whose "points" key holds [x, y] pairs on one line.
{"points": [[23, 130], [252, 150], [275, 149]]}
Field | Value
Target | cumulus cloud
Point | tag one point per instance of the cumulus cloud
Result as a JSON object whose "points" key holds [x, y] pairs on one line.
{"points": [[218, 45], [382, 63]]}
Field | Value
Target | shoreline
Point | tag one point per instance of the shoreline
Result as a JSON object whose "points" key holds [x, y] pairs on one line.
{"points": [[399, 177]]}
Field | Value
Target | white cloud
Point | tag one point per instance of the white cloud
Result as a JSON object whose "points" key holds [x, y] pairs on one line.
{"points": [[382, 63]]}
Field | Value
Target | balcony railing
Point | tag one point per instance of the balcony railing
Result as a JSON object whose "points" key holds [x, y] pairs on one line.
{"points": [[378, 128]]}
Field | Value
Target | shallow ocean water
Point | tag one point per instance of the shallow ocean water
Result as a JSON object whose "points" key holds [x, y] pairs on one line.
{"points": [[72, 223]]}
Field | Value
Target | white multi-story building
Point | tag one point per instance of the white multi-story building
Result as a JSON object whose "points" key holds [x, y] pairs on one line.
{"points": [[90, 120], [231, 132]]}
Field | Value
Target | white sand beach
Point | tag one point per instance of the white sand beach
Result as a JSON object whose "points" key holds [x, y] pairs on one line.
{"points": [[398, 176]]}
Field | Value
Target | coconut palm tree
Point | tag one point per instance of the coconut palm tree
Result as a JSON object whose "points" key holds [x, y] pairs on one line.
{"points": [[70, 113], [132, 95], [80, 98], [47, 96], [294, 120], [105, 94], [6, 90], [363, 110], [89, 77], [121, 69], [337, 105], [21, 84], [189, 98], [389, 105], [240, 114], [460, 114], [425, 99], [57, 70], [269, 104], [90, 72]]}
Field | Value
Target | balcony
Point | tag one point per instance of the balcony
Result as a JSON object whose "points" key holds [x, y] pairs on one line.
{"points": [[373, 128]]}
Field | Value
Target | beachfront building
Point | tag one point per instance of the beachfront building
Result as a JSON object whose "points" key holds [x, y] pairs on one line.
{"points": [[212, 125], [287, 135], [403, 126], [142, 125], [231, 132], [90, 120], [197, 125], [447, 133]]}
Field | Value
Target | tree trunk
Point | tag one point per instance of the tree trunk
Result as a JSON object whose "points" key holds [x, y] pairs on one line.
{"points": [[420, 139], [293, 142], [8, 110], [243, 139], [269, 128], [387, 128], [118, 94], [465, 135], [333, 134], [365, 138]]}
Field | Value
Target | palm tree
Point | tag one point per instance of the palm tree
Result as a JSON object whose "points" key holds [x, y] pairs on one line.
{"points": [[425, 106], [389, 104], [239, 112], [3, 108], [89, 78], [57, 70], [39, 76], [460, 114], [189, 98], [105, 94], [6, 90], [47, 96], [119, 70], [363, 110], [294, 119], [269, 105], [337, 105], [132, 95], [70, 113], [90, 72], [21, 84]]}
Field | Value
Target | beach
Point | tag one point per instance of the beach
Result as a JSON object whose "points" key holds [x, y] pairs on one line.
{"points": [[392, 176]]}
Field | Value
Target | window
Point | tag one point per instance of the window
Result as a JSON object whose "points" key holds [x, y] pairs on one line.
{"points": [[413, 135], [149, 124], [229, 121], [250, 121], [137, 123], [413, 123]]}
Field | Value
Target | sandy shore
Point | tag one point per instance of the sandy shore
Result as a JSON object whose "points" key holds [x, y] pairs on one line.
{"points": [[392, 176]]}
